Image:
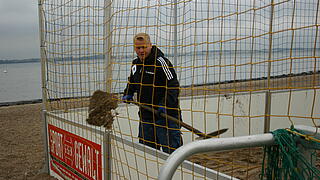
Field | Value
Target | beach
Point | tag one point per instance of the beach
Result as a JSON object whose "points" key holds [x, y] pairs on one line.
{"points": [[21, 138], [22, 148]]}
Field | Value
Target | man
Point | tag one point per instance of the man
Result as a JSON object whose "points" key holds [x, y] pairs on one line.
{"points": [[154, 80]]}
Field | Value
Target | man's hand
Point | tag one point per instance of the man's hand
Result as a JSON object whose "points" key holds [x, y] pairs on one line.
{"points": [[161, 109], [127, 98]]}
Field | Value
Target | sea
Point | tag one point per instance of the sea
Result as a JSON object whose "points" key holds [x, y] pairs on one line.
{"points": [[20, 82]]}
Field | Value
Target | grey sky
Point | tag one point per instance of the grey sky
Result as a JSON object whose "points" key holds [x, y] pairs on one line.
{"points": [[19, 38]]}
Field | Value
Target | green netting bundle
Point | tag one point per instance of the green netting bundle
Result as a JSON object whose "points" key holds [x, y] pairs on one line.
{"points": [[288, 160]]}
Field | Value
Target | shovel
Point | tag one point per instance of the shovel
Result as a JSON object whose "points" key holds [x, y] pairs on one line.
{"points": [[187, 126]]}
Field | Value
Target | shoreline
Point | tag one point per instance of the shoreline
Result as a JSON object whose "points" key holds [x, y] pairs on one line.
{"points": [[225, 86], [22, 102]]}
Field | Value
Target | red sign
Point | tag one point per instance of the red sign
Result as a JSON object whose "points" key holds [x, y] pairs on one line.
{"points": [[73, 156]]}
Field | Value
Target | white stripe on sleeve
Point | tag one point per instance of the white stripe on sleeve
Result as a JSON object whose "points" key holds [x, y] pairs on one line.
{"points": [[165, 68]]}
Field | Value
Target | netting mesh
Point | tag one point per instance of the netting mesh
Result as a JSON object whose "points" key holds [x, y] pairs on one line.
{"points": [[286, 160], [74, 36], [241, 65]]}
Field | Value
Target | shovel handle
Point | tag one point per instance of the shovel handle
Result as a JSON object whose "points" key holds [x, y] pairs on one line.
{"points": [[187, 126]]}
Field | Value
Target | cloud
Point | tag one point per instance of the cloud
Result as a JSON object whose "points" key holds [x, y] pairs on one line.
{"points": [[19, 38]]}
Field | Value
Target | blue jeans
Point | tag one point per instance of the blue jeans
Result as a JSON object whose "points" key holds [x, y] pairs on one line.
{"points": [[163, 133]]}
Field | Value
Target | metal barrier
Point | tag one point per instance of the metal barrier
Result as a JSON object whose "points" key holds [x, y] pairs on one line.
{"points": [[108, 159], [178, 156]]}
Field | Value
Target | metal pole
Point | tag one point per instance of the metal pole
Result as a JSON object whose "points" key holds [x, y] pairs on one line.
{"points": [[45, 168], [268, 94], [107, 154], [267, 111], [107, 44], [43, 82], [209, 145], [42, 52], [308, 130], [175, 33], [307, 148]]}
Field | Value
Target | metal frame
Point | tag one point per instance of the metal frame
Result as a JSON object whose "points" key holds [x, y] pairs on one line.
{"points": [[41, 15], [107, 159], [107, 135], [268, 93], [108, 44], [209, 145]]}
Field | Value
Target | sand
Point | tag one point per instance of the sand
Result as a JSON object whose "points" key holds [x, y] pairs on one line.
{"points": [[21, 139], [22, 149], [100, 109]]}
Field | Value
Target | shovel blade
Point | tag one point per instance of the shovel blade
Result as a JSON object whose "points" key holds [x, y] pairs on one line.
{"points": [[213, 134]]}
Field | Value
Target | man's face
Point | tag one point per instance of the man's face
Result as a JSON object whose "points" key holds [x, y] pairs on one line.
{"points": [[142, 49]]}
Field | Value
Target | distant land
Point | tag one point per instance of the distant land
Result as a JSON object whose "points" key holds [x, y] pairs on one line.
{"points": [[125, 55], [14, 61]]}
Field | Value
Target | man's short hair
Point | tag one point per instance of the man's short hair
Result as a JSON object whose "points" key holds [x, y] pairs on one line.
{"points": [[141, 37]]}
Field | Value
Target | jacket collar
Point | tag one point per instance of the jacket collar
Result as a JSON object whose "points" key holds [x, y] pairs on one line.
{"points": [[155, 53]]}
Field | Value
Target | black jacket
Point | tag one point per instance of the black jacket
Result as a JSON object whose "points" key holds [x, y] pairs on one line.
{"points": [[155, 82]]}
